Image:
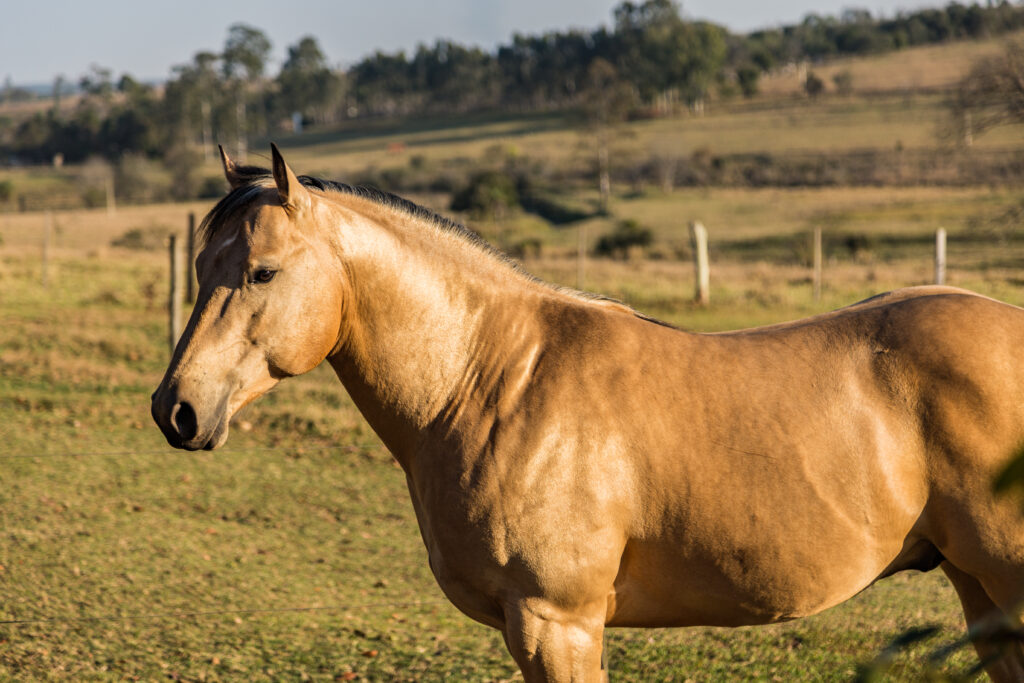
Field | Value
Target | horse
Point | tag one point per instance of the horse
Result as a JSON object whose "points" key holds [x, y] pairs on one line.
{"points": [[576, 465]]}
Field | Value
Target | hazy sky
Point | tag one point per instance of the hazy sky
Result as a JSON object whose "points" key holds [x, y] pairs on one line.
{"points": [[39, 40]]}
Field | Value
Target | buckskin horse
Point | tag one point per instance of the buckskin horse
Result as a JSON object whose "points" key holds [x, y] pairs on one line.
{"points": [[574, 464]]}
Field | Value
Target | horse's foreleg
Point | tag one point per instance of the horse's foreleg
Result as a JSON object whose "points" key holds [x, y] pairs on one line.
{"points": [[1003, 656], [554, 644]]}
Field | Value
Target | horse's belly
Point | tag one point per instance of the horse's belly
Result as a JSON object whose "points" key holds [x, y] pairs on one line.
{"points": [[661, 586]]}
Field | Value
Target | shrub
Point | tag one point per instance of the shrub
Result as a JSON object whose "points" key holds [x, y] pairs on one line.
{"points": [[813, 86], [843, 82], [628, 235], [212, 187], [489, 194], [142, 181], [747, 76], [143, 239]]}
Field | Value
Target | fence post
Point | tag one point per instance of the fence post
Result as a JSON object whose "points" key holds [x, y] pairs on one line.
{"points": [[817, 264], [699, 239], [190, 261], [111, 198], [174, 301], [581, 256], [940, 256], [47, 237]]}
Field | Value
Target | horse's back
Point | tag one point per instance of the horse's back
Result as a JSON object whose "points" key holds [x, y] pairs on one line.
{"points": [[839, 446]]}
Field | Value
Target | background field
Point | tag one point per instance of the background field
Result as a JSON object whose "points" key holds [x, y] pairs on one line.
{"points": [[293, 553]]}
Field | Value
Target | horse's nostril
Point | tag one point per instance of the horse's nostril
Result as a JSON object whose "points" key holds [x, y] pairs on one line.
{"points": [[184, 419]]}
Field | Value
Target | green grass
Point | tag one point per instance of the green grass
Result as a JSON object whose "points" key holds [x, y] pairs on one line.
{"points": [[294, 553]]}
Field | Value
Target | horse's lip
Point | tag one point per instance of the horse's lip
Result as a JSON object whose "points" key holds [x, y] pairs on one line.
{"points": [[219, 435], [206, 441]]}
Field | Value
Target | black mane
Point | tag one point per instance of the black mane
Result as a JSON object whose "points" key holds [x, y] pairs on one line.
{"points": [[256, 179]]}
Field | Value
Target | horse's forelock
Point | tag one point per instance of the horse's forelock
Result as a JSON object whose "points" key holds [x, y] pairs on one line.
{"points": [[234, 202]]}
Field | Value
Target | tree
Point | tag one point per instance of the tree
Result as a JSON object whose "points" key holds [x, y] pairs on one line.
{"points": [[245, 53], [992, 93], [243, 62], [97, 83], [58, 93], [306, 85], [450, 77], [748, 75], [605, 101], [194, 101], [658, 51]]}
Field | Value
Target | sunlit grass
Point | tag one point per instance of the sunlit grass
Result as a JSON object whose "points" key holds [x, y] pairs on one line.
{"points": [[171, 551]]}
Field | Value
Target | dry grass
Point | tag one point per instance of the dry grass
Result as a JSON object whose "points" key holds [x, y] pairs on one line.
{"points": [[928, 67], [304, 510]]}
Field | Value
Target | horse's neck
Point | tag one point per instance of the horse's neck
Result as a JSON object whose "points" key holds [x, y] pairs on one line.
{"points": [[419, 329]]}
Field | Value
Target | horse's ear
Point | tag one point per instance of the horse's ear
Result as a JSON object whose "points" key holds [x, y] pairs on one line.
{"points": [[294, 197], [230, 169]]}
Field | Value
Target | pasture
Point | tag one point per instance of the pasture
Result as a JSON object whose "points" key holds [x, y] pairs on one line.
{"points": [[293, 553]]}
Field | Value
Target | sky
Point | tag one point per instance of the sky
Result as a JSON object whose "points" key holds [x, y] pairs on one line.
{"points": [[41, 40]]}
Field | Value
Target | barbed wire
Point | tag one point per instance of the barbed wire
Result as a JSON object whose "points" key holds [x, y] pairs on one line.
{"points": [[187, 614]]}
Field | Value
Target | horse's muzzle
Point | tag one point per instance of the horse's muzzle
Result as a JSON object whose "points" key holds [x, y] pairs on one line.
{"points": [[178, 421]]}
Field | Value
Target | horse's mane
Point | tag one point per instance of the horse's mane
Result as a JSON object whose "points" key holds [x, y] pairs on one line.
{"points": [[255, 180]]}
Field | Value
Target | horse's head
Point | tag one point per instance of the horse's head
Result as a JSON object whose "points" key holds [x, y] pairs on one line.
{"points": [[269, 305]]}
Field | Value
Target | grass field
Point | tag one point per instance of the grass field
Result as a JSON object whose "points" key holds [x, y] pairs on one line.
{"points": [[294, 553]]}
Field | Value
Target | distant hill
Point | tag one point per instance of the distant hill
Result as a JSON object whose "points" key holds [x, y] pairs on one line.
{"points": [[914, 69]]}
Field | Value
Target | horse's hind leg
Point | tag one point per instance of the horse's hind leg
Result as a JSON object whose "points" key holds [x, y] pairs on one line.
{"points": [[987, 621], [551, 644]]}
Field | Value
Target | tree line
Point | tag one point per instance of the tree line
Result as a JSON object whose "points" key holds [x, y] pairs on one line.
{"points": [[651, 53]]}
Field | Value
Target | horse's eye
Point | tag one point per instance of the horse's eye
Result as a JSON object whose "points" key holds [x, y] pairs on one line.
{"points": [[263, 276]]}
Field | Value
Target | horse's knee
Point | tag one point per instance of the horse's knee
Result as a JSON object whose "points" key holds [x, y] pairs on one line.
{"points": [[553, 644]]}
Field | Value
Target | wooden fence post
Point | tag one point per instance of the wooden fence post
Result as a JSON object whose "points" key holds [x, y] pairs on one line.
{"points": [[817, 264], [581, 256], [190, 261], [174, 301], [47, 237], [940, 256], [111, 198], [699, 239]]}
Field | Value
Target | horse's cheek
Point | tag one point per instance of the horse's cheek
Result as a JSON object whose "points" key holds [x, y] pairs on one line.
{"points": [[312, 336]]}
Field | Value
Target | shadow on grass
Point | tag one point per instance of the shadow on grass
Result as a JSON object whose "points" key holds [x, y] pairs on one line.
{"points": [[373, 130]]}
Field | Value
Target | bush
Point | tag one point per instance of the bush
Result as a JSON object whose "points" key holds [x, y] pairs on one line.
{"points": [[150, 238], [142, 181], [552, 209], [213, 187], [489, 194], [813, 86], [627, 236], [747, 76], [843, 82], [6, 191]]}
